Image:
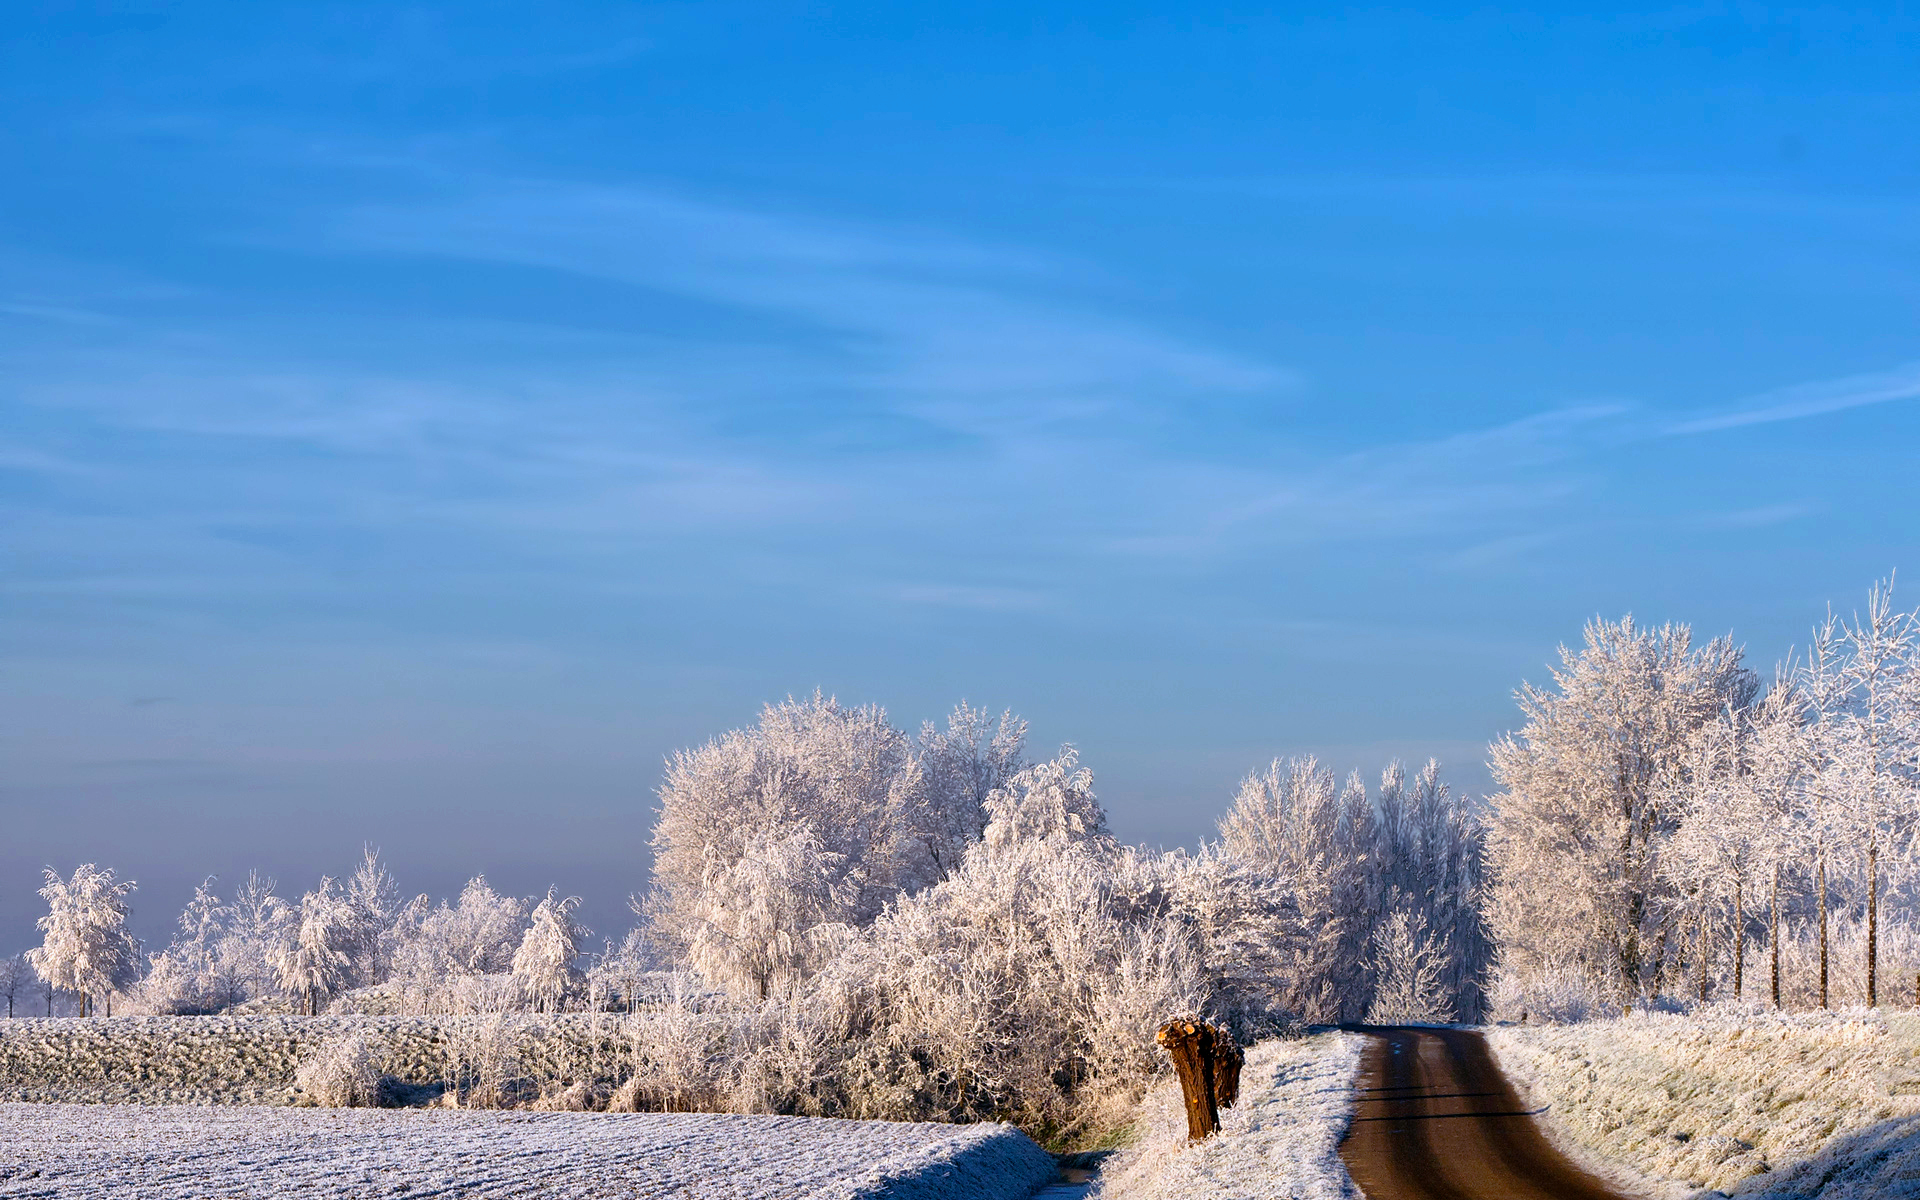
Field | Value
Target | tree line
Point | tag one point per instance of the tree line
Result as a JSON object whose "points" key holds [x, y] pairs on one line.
{"points": [[938, 923]]}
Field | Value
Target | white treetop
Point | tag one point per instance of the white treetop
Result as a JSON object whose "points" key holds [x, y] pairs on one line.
{"points": [[880, 814], [319, 960], [1590, 796], [543, 965], [87, 947]]}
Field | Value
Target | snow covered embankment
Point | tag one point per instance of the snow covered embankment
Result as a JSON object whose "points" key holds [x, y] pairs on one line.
{"points": [[1741, 1101], [1281, 1139], [143, 1153]]}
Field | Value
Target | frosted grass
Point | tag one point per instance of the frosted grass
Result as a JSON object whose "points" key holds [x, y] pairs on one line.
{"points": [[1735, 1100], [1280, 1142]]}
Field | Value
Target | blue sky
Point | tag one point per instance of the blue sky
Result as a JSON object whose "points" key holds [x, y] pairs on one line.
{"points": [[416, 422]]}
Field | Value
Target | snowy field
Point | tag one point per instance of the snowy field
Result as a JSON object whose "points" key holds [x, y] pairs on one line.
{"points": [[1281, 1140], [1741, 1101], [179, 1152], [252, 1060]]}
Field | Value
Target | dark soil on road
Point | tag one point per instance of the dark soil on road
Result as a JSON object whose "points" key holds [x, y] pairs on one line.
{"points": [[1436, 1120]]}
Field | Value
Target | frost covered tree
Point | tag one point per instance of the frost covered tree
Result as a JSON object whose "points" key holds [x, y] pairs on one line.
{"points": [[1348, 860], [374, 899], [261, 927], [476, 935], [188, 976], [875, 814], [1293, 822], [1248, 934], [758, 925], [1588, 800], [319, 960], [1875, 739], [1734, 828], [16, 976], [1027, 984], [224, 952], [544, 963], [1408, 967], [87, 947], [960, 766]]}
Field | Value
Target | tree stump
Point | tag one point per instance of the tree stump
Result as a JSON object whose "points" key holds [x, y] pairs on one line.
{"points": [[1227, 1061], [1208, 1063]]}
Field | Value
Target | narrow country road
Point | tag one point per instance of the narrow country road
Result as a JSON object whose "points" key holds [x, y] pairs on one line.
{"points": [[1435, 1120]]}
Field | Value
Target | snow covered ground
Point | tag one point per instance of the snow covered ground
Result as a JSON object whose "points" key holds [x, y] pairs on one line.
{"points": [[76, 1151], [1739, 1100], [252, 1060], [1281, 1140]]}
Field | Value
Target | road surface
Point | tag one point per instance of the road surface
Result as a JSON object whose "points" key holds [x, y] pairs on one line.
{"points": [[1435, 1120]]}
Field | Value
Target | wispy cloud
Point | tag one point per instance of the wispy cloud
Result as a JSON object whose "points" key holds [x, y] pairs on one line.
{"points": [[1809, 400], [1759, 517]]}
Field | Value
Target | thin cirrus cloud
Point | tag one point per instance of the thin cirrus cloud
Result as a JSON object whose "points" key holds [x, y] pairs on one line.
{"points": [[1810, 400], [952, 333]]}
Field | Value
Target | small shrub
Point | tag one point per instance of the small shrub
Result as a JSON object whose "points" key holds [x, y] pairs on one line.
{"points": [[344, 1072]]}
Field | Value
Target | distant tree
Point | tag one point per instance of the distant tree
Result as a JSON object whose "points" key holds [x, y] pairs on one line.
{"points": [[1733, 830], [1408, 968], [88, 949], [261, 927], [1820, 820], [1297, 825], [188, 975], [475, 935], [544, 963], [16, 974], [319, 960], [374, 899]]}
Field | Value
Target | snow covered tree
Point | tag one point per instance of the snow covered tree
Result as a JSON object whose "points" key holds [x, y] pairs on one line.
{"points": [[88, 948], [1588, 802], [1050, 802], [1027, 984], [1408, 966], [319, 961], [261, 927], [476, 935], [960, 767], [543, 965], [374, 899], [757, 928], [1733, 832], [1248, 936], [1820, 820], [879, 815], [1295, 824], [1878, 740], [16, 975], [187, 977]]}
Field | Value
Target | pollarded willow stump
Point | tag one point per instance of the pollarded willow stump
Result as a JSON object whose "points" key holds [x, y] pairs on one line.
{"points": [[1208, 1062]]}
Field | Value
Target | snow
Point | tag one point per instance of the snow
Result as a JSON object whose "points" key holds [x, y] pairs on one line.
{"points": [[1281, 1140], [78, 1151], [252, 1060], [1736, 1099]]}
